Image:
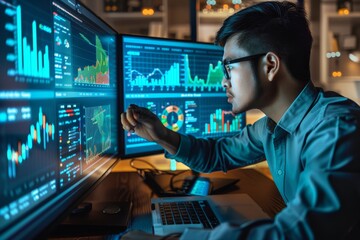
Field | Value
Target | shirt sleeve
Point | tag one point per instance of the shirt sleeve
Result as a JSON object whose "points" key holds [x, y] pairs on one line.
{"points": [[326, 203], [209, 154]]}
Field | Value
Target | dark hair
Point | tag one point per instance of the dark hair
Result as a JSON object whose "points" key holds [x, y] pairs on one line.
{"points": [[280, 27]]}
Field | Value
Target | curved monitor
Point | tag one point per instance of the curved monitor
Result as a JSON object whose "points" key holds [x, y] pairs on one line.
{"points": [[180, 81], [58, 110]]}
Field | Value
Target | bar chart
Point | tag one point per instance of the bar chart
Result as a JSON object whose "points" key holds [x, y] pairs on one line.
{"points": [[222, 121], [31, 62], [28, 50]]}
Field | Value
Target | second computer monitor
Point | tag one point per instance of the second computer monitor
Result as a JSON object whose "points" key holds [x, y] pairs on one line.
{"points": [[180, 81]]}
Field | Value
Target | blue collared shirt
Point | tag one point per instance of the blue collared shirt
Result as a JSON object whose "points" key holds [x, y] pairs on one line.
{"points": [[313, 155]]}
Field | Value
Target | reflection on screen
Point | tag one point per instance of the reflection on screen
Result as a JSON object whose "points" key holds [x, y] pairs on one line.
{"points": [[180, 82], [58, 108]]}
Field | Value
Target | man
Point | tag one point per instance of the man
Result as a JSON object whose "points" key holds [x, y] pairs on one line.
{"points": [[309, 137]]}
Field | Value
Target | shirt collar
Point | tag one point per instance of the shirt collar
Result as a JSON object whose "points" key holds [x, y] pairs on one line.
{"points": [[297, 110]]}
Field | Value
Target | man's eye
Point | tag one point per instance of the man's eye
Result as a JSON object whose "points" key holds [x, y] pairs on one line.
{"points": [[229, 67]]}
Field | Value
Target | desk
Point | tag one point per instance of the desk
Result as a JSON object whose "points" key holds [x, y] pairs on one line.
{"points": [[163, 164], [129, 186]]}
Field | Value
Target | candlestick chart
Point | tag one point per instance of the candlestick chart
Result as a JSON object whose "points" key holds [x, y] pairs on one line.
{"points": [[33, 139]]}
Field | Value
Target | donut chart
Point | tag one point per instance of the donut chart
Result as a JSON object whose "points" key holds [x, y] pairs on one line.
{"points": [[172, 118]]}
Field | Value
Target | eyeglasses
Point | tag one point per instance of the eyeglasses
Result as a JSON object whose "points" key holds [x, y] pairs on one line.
{"points": [[225, 64]]}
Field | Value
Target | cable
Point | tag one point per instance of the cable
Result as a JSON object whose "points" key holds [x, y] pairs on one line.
{"points": [[175, 189], [152, 169], [155, 171]]}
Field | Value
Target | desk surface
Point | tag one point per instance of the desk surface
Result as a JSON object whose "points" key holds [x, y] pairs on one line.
{"points": [[162, 163], [129, 186]]}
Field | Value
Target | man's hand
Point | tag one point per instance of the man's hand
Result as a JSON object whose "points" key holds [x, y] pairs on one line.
{"points": [[143, 122], [147, 125]]}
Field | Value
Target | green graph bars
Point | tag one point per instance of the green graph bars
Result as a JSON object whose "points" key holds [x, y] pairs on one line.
{"points": [[172, 78], [213, 80], [218, 123]]}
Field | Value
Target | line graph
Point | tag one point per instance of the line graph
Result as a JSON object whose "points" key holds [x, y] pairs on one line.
{"points": [[169, 79], [164, 71], [213, 78]]}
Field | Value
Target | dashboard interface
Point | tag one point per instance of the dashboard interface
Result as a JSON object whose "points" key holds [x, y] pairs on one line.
{"points": [[58, 104], [180, 81]]}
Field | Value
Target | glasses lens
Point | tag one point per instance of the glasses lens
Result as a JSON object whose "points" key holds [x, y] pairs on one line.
{"points": [[225, 71]]}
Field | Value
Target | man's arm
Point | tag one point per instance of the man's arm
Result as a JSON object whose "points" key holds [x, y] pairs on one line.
{"points": [[326, 203], [210, 154]]}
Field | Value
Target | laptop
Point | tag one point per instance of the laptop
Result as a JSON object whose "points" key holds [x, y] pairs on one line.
{"points": [[175, 214]]}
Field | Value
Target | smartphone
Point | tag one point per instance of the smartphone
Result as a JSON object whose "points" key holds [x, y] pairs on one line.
{"points": [[200, 186]]}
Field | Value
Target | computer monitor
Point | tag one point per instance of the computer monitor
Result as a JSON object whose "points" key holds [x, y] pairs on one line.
{"points": [[180, 81], [58, 110]]}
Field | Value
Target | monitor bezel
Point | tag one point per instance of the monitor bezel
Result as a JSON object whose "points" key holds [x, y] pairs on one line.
{"points": [[122, 134]]}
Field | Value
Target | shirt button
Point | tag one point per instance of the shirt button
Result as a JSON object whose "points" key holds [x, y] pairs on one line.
{"points": [[279, 172]]}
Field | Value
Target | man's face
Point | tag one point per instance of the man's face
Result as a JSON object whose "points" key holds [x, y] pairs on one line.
{"points": [[242, 89]]}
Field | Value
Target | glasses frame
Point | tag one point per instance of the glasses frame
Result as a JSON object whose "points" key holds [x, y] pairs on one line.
{"points": [[225, 63]]}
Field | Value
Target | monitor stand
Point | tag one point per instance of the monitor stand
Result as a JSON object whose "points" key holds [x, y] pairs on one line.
{"points": [[95, 219]]}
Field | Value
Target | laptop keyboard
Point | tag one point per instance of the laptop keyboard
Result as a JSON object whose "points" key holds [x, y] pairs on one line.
{"points": [[188, 212]]}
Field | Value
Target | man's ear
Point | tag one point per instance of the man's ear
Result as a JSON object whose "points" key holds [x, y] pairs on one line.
{"points": [[272, 65]]}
